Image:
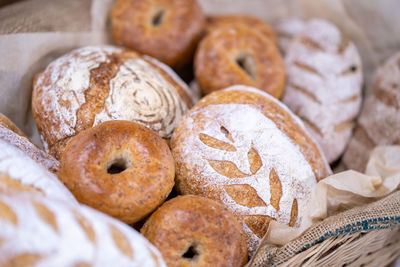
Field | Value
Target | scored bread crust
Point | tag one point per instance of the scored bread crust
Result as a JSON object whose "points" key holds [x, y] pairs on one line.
{"points": [[172, 40], [17, 170], [254, 23], [324, 84], [379, 121], [10, 133], [39, 231], [94, 84], [199, 223], [242, 147], [239, 55]]}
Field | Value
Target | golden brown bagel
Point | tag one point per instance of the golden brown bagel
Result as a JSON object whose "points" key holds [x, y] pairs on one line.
{"points": [[120, 168], [196, 231], [165, 29], [216, 22], [239, 55]]}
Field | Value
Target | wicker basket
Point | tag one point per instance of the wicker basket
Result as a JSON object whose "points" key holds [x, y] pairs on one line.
{"points": [[364, 236]]}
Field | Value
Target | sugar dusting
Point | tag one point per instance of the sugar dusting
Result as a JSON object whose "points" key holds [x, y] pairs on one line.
{"points": [[28, 148], [249, 128], [140, 93], [286, 29], [322, 88], [20, 167], [70, 244]]}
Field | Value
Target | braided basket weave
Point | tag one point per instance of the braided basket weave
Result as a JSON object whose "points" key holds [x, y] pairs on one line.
{"points": [[363, 236]]}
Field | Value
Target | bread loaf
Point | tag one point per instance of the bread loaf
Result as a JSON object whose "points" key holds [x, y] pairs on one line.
{"points": [[10, 133], [18, 170], [245, 149], [38, 231], [379, 121], [324, 80], [94, 84]]}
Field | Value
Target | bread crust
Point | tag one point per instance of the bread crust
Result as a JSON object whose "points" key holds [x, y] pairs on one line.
{"points": [[239, 55], [94, 84], [254, 23], [206, 226], [143, 174], [172, 41], [243, 148]]}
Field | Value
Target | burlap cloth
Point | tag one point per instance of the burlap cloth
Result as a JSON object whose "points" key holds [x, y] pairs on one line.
{"points": [[35, 32]]}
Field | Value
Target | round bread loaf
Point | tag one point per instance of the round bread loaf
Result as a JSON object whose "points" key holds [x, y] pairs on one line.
{"points": [[20, 172], [120, 168], [324, 80], [379, 121], [216, 22], [37, 231], [164, 29], [239, 55], [196, 231], [94, 84], [244, 148], [10, 133]]}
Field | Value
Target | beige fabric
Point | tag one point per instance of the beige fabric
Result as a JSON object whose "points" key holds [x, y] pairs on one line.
{"points": [[349, 191]]}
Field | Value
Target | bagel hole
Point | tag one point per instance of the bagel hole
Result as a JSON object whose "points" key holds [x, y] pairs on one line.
{"points": [[247, 63], [117, 166], [158, 17], [190, 253]]}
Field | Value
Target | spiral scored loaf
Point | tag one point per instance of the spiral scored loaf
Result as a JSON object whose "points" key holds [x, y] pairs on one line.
{"points": [[37, 231], [196, 231], [165, 29], [239, 55], [121, 168], [379, 121], [18, 170], [242, 147], [10, 133], [324, 80], [94, 84], [215, 22]]}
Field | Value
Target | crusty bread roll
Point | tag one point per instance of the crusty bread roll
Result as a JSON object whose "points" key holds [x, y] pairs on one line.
{"points": [[196, 231], [94, 84], [10, 133], [164, 29], [324, 80], [379, 121], [239, 55], [121, 168], [244, 148], [38, 231], [17, 170], [215, 22]]}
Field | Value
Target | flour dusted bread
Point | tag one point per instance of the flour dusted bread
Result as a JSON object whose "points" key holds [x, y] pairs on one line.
{"points": [[20, 172], [10, 133], [242, 147], [121, 168], [239, 55], [37, 231], [94, 84], [196, 231], [379, 121], [324, 80], [164, 29], [286, 30]]}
